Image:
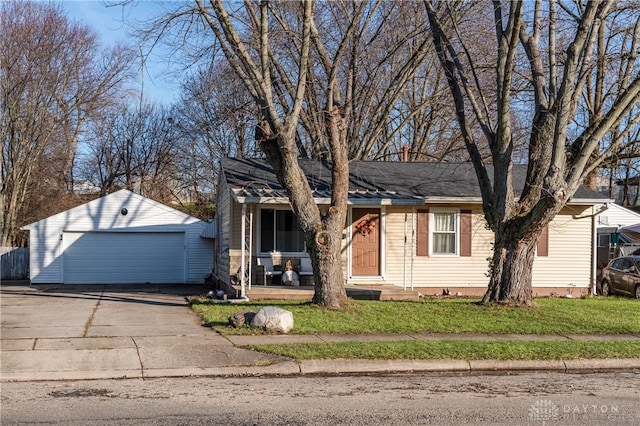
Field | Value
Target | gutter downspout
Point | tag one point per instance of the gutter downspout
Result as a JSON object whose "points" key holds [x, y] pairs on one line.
{"points": [[594, 242], [243, 232], [404, 256], [594, 254], [413, 241], [250, 244]]}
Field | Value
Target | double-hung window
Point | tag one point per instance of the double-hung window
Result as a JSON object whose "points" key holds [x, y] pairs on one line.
{"points": [[445, 232], [279, 231]]}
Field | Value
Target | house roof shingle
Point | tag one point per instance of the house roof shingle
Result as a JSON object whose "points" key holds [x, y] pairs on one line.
{"points": [[253, 180]]}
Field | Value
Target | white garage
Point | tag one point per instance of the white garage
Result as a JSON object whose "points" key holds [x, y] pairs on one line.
{"points": [[122, 238]]}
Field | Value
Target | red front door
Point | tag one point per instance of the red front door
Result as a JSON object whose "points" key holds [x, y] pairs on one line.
{"points": [[365, 242]]}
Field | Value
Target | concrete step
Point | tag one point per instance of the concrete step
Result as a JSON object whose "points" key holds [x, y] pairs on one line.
{"points": [[360, 292]]}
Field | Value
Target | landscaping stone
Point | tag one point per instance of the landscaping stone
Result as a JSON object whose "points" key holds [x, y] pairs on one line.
{"points": [[241, 318], [272, 318]]}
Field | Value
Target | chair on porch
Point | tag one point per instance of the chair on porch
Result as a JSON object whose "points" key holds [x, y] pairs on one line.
{"points": [[306, 272], [266, 270]]}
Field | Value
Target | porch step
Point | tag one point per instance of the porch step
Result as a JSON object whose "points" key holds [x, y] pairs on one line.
{"points": [[360, 292], [258, 292]]}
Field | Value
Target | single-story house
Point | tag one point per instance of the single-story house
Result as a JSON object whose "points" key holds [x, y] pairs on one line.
{"points": [[417, 226], [121, 238]]}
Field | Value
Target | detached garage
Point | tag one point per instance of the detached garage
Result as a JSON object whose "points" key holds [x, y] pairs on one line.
{"points": [[122, 238]]}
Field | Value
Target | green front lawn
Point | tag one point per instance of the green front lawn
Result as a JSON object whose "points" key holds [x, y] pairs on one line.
{"points": [[457, 349], [600, 315]]}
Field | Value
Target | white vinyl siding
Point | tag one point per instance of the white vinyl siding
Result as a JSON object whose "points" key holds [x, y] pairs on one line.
{"points": [[570, 252], [616, 215], [103, 215], [568, 263], [438, 271]]}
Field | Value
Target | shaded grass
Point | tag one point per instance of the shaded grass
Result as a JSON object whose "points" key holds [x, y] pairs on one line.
{"points": [[457, 349], [600, 315]]}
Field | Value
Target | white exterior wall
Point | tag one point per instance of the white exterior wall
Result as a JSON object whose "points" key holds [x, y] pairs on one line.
{"points": [[616, 215], [569, 262], [434, 271], [103, 214]]}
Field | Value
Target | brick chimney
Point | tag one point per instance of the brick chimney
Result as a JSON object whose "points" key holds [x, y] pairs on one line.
{"points": [[405, 153]]}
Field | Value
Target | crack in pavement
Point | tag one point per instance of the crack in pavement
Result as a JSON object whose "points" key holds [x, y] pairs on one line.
{"points": [[139, 357], [87, 325]]}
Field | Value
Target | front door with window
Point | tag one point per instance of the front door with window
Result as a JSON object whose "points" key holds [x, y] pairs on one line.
{"points": [[365, 242]]}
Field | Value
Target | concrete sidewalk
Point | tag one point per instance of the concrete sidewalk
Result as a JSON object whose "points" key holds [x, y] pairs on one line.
{"points": [[96, 334]]}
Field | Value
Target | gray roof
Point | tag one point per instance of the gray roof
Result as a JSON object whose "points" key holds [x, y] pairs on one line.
{"points": [[253, 180]]}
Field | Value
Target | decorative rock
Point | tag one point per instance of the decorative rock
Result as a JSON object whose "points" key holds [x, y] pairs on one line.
{"points": [[272, 318], [241, 318]]}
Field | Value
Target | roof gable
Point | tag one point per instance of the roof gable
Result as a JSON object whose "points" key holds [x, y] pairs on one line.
{"points": [[113, 205]]}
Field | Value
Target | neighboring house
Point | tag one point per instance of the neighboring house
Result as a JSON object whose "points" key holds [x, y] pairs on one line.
{"points": [[414, 225], [85, 187], [122, 238], [615, 216], [609, 222]]}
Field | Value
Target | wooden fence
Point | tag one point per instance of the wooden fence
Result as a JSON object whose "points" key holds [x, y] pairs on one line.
{"points": [[14, 263]]}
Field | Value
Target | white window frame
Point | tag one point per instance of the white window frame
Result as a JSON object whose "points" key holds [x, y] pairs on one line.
{"points": [[259, 233], [433, 211]]}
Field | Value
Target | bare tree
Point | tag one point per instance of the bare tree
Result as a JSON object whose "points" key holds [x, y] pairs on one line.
{"points": [[276, 133], [558, 40], [214, 118], [326, 81], [134, 148], [51, 81]]}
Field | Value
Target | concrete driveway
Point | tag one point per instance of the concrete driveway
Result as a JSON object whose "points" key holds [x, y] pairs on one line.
{"points": [[106, 332]]}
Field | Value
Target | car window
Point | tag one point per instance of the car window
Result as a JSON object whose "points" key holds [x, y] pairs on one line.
{"points": [[626, 264], [617, 264], [638, 264]]}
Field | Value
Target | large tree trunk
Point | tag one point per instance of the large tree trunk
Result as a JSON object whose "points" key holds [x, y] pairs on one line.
{"points": [[327, 269], [510, 270], [323, 232]]}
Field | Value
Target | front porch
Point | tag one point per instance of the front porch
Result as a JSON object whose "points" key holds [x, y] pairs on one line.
{"points": [[359, 291]]}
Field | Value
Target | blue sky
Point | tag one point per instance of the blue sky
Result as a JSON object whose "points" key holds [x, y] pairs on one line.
{"points": [[114, 25]]}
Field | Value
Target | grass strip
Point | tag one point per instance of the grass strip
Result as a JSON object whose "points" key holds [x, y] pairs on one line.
{"points": [[599, 315], [457, 349]]}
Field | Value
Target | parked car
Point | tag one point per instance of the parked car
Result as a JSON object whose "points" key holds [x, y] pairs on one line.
{"points": [[622, 276]]}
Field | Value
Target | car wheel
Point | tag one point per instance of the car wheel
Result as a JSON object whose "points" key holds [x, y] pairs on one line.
{"points": [[638, 291], [605, 288]]}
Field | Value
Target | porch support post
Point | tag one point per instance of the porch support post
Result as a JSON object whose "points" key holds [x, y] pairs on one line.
{"points": [[250, 244], [242, 252]]}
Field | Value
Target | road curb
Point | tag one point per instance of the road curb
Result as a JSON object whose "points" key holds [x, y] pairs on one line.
{"points": [[336, 367], [516, 365], [363, 366], [603, 364]]}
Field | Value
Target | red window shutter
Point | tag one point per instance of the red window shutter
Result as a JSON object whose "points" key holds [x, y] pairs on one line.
{"points": [[465, 233], [543, 242], [422, 237]]}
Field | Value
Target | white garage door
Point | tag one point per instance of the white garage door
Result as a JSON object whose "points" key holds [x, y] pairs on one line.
{"points": [[123, 258]]}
